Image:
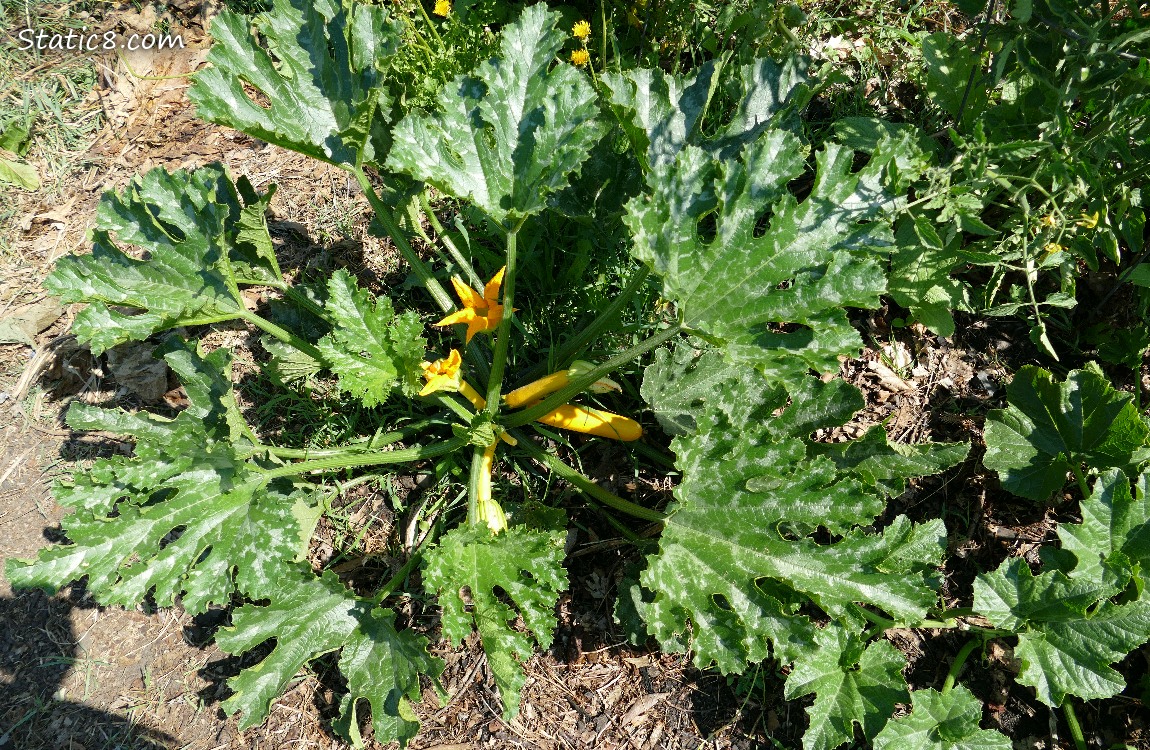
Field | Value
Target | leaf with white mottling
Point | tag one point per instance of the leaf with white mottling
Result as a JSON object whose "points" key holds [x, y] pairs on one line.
{"points": [[321, 66], [510, 136], [193, 516], [191, 224]]}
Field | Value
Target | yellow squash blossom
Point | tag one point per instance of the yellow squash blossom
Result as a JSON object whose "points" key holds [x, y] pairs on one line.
{"points": [[480, 312], [581, 30], [580, 58], [442, 8], [444, 375]]}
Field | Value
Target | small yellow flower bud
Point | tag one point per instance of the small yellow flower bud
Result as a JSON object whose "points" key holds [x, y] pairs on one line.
{"points": [[442, 8], [580, 58], [1088, 221], [581, 30]]}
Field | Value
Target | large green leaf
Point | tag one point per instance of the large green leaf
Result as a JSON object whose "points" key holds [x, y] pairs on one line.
{"points": [[470, 568], [1051, 428], [749, 491], [311, 616], [772, 259], [661, 112], [941, 722], [193, 515], [1115, 529], [512, 134], [320, 73], [1069, 633], [370, 348], [685, 381], [193, 225], [852, 684]]}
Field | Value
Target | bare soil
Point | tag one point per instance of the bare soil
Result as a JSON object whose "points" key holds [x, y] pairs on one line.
{"points": [[74, 675]]}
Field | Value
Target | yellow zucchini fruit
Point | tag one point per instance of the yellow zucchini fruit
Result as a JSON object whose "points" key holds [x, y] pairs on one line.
{"points": [[536, 391], [593, 422]]}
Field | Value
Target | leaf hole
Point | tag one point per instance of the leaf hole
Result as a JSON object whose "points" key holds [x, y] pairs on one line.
{"points": [[707, 228], [762, 223]]}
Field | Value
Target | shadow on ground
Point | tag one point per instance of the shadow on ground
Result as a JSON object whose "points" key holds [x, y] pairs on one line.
{"points": [[38, 650]]}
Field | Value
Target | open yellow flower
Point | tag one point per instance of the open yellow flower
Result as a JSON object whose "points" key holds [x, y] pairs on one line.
{"points": [[443, 374], [581, 30], [481, 312], [580, 58], [442, 8]]}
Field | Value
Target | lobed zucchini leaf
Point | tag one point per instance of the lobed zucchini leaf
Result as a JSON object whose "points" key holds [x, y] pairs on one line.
{"points": [[753, 486], [741, 255], [199, 237], [1050, 429], [195, 516], [1115, 531], [662, 113], [322, 74], [920, 275], [311, 616], [853, 683], [1069, 632], [512, 134], [941, 722], [470, 567], [370, 348]]}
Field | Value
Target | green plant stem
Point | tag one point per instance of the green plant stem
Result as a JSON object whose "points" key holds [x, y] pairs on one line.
{"points": [[283, 335], [430, 24], [503, 334], [452, 248], [956, 666], [580, 384], [1072, 722], [353, 459], [400, 576], [605, 318], [383, 213], [1083, 487], [474, 478], [888, 624], [584, 484], [377, 441]]}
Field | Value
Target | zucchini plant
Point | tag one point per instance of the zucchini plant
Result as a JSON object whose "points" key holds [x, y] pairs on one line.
{"points": [[777, 546]]}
